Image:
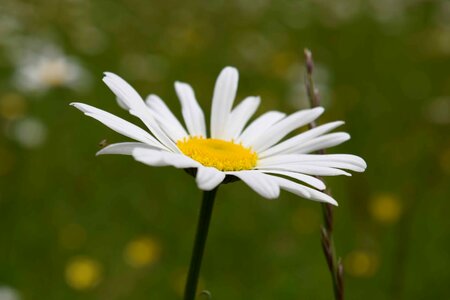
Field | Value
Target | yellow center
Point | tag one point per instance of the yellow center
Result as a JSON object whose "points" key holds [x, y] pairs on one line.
{"points": [[222, 155]]}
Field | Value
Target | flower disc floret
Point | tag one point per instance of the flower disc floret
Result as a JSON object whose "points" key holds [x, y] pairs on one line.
{"points": [[220, 154]]}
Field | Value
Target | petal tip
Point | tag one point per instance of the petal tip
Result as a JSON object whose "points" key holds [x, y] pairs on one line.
{"points": [[230, 72], [319, 109], [180, 85], [276, 195], [108, 74], [230, 69], [363, 164], [79, 106], [151, 98]]}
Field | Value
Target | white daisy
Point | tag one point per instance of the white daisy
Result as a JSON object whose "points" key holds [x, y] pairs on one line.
{"points": [[42, 70], [256, 154]]}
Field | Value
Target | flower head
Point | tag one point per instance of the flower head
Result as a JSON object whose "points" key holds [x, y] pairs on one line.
{"points": [[256, 154]]}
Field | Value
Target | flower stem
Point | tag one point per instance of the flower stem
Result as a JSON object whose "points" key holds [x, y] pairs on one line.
{"points": [[334, 265], [204, 219]]}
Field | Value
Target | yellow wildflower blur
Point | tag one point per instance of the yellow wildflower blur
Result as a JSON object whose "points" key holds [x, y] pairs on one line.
{"points": [[83, 273], [386, 208], [12, 106], [361, 263], [142, 252]]}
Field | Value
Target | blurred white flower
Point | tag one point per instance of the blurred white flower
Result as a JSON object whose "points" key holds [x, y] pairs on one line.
{"points": [[39, 71], [386, 11], [438, 111], [29, 132], [442, 14], [336, 12], [8, 293]]}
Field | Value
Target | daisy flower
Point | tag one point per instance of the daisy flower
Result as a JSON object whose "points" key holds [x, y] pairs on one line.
{"points": [[258, 154]]}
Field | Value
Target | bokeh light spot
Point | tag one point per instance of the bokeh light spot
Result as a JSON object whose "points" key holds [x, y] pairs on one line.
{"points": [[142, 252], [8, 293], [83, 273], [30, 133], [361, 263], [12, 106], [386, 208], [438, 111]]}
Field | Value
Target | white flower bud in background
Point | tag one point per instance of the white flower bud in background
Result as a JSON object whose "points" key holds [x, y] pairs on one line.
{"points": [[8, 293], [29, 132], [39, 71]]}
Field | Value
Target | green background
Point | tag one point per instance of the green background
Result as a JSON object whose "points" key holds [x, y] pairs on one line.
{"points": [[382, 66]]}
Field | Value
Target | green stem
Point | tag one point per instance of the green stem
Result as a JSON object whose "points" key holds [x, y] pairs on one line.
{"points": [[199, 245]]}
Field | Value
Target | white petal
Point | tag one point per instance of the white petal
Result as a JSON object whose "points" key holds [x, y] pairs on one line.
{"points": [[131, 99], [312, 181], [192, 112], [163, 158], [323, 142], [240, 116], [123, 148], [124, 92], [208, 178], [347, 158], [336, 164], [279, 160], [259, 126], [307, 169], [290, 145], [122, 103], [322, 197], [168, 122], [149, 157], [223, 98], [344, 161], [119, 125], [278, 131], [179, 161], [261, 183], [292, 187], [304, 191]]}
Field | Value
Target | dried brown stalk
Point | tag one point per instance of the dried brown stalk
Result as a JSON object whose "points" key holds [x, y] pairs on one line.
{"points": [[334, 265]]}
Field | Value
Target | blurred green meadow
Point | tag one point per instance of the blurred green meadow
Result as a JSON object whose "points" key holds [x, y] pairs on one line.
{"points": [[76, 226]]}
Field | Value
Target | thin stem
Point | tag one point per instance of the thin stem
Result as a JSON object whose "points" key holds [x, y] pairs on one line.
{"points": [[204, 219], [334, 265]]}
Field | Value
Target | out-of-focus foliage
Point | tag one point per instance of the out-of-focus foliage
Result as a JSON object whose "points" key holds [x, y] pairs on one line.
{"points": [[73, 226]]}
